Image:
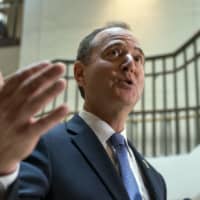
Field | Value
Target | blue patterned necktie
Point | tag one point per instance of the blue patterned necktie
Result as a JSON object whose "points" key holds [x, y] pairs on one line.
{"points": [[118, 142]]}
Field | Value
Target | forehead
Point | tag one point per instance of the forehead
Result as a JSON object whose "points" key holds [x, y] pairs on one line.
{"points": [[110, 35]]}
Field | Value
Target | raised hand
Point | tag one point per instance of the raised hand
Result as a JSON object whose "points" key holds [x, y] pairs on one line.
{"points": [[22, 95]]}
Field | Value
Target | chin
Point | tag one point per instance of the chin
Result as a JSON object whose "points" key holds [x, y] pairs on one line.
{"points": [[126, 98], [127, 102]]}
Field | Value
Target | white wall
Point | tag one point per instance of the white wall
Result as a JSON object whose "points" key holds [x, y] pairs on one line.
{"points": [[9, 59], [53, 29], [181, 174]]}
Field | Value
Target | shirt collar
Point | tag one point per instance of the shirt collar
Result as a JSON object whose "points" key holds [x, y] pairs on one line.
{"points": [[102, 129]]}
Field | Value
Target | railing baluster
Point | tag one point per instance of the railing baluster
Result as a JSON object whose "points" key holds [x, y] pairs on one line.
{"points": [[197, 88], [188, 142], [177, 133], [154, 143]]}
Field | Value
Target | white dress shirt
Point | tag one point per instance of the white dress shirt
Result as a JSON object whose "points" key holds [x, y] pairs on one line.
{"points": [[7, 180], [104, 131]]}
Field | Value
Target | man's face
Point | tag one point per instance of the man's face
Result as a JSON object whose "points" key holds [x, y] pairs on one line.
{"points": [[114, 75]]}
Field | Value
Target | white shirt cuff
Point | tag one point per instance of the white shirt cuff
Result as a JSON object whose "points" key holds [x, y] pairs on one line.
{"points": [[7, 180]]}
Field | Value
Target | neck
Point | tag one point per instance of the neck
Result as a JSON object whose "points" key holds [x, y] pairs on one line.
{"points": [[115, 118]]}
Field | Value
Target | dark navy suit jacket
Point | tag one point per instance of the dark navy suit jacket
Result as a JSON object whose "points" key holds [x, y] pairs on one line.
{"points": [[69, 163]]}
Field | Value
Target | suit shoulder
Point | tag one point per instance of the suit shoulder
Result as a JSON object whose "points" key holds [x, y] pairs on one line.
{"points": [[58, 131]]}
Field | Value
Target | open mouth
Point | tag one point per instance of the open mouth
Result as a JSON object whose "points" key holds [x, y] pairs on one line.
{"points": [[126, 83], [129, 82]]}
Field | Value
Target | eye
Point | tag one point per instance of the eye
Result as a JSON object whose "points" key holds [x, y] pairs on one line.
{"points": [[138, 58], [114, 53]]}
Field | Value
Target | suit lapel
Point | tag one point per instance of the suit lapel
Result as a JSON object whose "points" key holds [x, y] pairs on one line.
{"points": [[92, 150], [149, 176]]}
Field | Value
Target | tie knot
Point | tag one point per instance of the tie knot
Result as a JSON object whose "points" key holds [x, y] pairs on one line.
{"points": [[117, 140]]}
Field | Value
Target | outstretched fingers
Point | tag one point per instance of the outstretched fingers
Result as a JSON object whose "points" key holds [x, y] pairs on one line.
{"points": [[15, 80], [42, 125], [1, 81], [38, 89], [37, 84], [36, 103]]}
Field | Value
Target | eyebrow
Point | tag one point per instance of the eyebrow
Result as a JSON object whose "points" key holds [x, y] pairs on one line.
{"points": [[114, 43], [119, 42], [140, 50]]}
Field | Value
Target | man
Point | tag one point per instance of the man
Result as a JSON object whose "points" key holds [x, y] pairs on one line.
{"points": [[78, 159]]}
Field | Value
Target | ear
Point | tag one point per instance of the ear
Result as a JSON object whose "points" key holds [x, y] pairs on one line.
{"points": [[79, 69]]}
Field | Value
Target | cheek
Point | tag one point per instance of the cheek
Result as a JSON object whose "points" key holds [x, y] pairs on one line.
{"points": [[96, 80], [100, 74], [140, 76], [113, 78]]}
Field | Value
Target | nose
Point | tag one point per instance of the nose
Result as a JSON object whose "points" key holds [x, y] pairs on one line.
{"points": [[128, 63]]}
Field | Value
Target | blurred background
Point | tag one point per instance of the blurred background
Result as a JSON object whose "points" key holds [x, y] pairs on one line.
{"points": [[165, 125]]}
